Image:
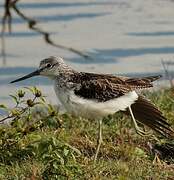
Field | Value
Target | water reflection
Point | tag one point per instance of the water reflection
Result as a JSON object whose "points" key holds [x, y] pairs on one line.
{"points": [[44, 5], [113, 55], [59, 17], [21, 34], [35, 81], [158, 33], [15, 70]]}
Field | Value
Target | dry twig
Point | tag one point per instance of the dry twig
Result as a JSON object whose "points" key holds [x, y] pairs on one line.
{"points": [[32, 24]]}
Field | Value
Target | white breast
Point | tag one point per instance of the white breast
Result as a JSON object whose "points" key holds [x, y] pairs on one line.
{"points": [[92, 109]]}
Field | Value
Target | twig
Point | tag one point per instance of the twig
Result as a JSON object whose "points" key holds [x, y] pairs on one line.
{"points": [[32, 25], [21, 112], [166, 71], [6, 19]]}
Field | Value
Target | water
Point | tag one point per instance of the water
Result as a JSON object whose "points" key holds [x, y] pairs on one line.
{"points": [[121, 36]]}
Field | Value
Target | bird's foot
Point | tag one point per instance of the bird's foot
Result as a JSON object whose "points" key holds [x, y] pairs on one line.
{"points": [[141, 132]]}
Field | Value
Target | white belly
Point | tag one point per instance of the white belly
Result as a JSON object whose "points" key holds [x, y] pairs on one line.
{"points": [[92, 109]]}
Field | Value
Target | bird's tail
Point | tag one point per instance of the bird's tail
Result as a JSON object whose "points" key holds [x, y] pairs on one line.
{"points": [[146, 113], [153, 78]]}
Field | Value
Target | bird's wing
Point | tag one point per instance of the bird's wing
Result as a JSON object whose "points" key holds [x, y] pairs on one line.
{"points": [[146, 113], [144, 82], [101, 90], [106, 87]]}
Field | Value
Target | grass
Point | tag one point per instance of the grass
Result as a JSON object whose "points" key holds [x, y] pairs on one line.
{"points": [[43, 144]]}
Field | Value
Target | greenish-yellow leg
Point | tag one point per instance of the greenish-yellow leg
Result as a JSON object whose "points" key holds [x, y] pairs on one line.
{"points": [[99, 140], [138, 130]]}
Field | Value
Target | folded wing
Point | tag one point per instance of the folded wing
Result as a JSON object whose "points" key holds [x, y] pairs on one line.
{"points": [[102, 88]]}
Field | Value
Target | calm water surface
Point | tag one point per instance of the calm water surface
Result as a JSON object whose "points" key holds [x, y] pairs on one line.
{"points": [[121, 36]]}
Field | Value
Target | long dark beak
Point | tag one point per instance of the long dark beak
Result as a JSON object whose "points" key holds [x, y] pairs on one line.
{"points": [[35, 73]]}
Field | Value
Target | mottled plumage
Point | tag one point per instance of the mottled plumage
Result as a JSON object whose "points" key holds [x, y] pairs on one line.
{"points": [[102, 87], [95, 96]]}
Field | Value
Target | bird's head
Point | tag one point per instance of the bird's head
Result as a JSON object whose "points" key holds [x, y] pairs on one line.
{"points": [[50, 67]]}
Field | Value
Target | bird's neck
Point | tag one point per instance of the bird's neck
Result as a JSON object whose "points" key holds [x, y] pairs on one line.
{"points": [[66, 77]]}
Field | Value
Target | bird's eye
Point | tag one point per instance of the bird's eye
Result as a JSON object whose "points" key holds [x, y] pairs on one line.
{"points": [[48, 65]]}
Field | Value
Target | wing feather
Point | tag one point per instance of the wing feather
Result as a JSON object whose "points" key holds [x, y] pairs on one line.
{"points": [[106, 87]]}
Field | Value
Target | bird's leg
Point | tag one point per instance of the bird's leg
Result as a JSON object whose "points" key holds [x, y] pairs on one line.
{"points": [[138, 130], [99, 140]]}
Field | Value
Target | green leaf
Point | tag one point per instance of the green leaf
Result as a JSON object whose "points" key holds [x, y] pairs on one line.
{"points": [[50, 108], [65, 152], [73, 148], [60, 158], [15, 99], [15, 112], [55, 165], [42, 99], [139, 152], [35, 137], [31, 89], [2, 106]]}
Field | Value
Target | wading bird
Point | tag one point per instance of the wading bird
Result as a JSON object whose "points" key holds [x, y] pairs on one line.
{"points": [[95, 96]]}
